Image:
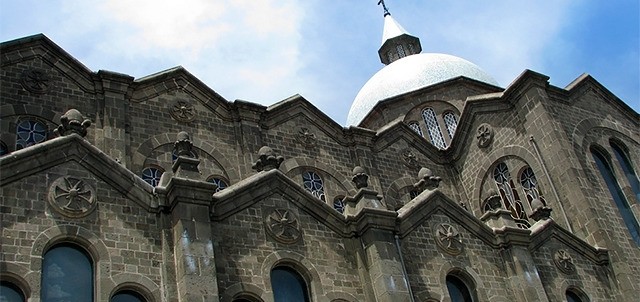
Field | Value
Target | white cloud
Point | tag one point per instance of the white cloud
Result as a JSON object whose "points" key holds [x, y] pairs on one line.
{"points": [[231, 45]]}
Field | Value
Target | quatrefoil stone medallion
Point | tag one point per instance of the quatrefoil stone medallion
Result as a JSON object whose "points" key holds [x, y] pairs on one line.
{"points": [[72, 197], [563, 260], [448, 238], [283, 226]]}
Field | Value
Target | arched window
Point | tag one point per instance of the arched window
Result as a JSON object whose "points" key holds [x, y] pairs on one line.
{"points": [[451, 122], [338, 204], [127, 296], [288, 285], [433, 128], [67, 274], [509, 195], [152, 175], [627, 168], [529, 185], [29, 133], [416, 127], [219, 182], [9, 292], [616, 193], [313, 183], [572, 297], [400, 50], [458, 290], [575, 295]]}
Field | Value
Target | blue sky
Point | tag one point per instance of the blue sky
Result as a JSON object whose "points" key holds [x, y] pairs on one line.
{"points": [[264, 51]]}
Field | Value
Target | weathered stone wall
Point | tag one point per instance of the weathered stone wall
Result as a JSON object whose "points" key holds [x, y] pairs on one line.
{"points": [[121, 237]]}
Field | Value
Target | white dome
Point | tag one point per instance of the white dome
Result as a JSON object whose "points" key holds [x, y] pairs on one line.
{"points": [[409, 74]]}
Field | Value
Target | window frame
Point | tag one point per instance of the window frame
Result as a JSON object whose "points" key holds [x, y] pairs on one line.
{"points": [[78, 247]]}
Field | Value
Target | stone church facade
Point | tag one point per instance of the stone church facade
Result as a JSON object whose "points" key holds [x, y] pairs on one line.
{"points": [[457, 191]]}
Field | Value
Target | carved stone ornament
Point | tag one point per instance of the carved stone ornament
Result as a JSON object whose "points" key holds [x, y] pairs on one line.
{"points": [[283, 226], [36, 81], [267, 160], [72, 197], [484, 134], [448, 238], [182, 111], [410, 158], [563, 260], [183, 145], [426, 180], [73, 122], [360, 177], [306, 138]]}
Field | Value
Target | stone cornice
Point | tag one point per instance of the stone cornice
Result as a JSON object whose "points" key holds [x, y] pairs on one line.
{"points": [[542, 231], [38, 158], [39, 46]]}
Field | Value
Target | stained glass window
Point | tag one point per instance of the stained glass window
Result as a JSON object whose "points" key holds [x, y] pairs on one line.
{"points": [[127, 296], [618, 196], [509, 195], [529, 184], [29, 133], [627, 168], [313, 183], [433, 128], [338, 204], [10, 293], [416, 127], [67, 275], [451, 121], [219, 182], [288, 285], [152, 175], [572, 297], [458, 291]]}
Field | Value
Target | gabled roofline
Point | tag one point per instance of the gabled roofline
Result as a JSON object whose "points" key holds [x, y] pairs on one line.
{"points": [[39, 45], [585, 81], [40, 157], [261, 185], [289, 108], [542, 231], [176, 78], [381, 104], [428, 203], [397, 130]]}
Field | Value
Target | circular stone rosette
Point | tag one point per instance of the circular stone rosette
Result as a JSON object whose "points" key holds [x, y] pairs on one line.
{"points": [[484, 134], [36, 81], [448, 238], [283, 226], [182, 111], [72, 197], [563, 260]]}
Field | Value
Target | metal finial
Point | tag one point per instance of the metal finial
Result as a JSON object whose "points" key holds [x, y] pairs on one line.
{"points": [[384, 7]]}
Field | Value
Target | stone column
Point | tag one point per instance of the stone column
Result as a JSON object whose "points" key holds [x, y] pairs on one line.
{"points": [[522, 273], [189, 200], [381, 260], [112, 103]]}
